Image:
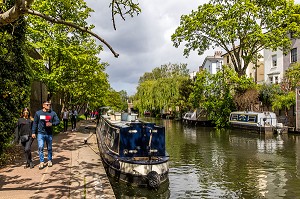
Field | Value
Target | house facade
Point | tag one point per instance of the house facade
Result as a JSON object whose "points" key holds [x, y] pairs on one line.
{"points": [[213, 63], [276, 62]]}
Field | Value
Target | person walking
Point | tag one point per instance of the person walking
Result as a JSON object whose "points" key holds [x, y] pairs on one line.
{"points": [[65, 116], [73, 119], [86, 114], [23, 134], [42, 128]]}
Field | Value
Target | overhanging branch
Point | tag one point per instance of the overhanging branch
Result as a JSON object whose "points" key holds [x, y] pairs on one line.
{"points": [[83, 29]]}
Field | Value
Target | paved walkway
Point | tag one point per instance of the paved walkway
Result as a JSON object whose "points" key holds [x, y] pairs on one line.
{"points": [[77, 170]]}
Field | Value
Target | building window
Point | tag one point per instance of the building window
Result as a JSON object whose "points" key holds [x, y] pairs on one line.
{"points": [[294, 55], [271, 80], [227, 59], [276, 79], [274, 61]]}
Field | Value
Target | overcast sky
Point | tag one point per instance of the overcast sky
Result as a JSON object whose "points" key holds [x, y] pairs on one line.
{"points": [[144, 41]]}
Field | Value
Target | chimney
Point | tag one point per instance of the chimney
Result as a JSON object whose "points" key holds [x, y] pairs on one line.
{"points": [[218, 54]]}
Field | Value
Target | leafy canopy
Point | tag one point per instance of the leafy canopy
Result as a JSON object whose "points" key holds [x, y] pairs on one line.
{"points": [[241, 27]]}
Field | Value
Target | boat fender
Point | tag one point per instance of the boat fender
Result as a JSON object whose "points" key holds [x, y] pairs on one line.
{"points": [[153, 179]]}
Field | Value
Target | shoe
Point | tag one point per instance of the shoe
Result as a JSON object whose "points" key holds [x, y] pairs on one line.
{"points": [[26, 165], [41, 166], [31, 165], [49, 163]]}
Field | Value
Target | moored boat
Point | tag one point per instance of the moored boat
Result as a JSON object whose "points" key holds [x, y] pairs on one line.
{"points": [[256, 121], [196, 117], [133, 151]]}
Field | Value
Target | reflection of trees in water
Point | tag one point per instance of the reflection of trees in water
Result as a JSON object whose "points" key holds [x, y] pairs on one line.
{"points": [[231, 163]]}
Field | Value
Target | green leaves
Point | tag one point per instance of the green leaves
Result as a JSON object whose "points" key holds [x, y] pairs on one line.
{"points": [[74, 69], [244, 26], [160, 89]]}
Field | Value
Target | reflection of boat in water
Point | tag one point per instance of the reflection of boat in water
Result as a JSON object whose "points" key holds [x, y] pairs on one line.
{"points": [[125, 191], [133, 151], [256, 121]]}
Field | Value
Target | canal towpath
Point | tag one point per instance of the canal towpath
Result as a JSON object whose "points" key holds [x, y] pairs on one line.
{"points": [[77, 170]]}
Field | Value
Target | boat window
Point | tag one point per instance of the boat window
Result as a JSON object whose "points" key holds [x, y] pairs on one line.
{"points": [[234, 117], [112, 139], [252, 118], [243, 118]]}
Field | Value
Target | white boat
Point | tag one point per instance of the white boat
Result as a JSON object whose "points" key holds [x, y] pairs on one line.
{"points": [[256, 121], [196, 117]]}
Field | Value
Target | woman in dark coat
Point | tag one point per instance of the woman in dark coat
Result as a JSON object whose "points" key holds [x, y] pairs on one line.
{"points": [[24, 135]]}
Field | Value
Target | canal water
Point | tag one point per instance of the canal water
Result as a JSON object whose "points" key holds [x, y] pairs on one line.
{"points": [[210, 163]]}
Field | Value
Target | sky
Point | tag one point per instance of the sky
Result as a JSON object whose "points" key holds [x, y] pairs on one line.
{"points": [[144, 41]]}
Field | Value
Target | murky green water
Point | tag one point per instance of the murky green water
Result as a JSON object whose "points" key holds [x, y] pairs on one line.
{"points": [[205, 163]]}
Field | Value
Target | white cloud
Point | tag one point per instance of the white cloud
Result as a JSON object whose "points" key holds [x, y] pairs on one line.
{"points": [[143, 42]]}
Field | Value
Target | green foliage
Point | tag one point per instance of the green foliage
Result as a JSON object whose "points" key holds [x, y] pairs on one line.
{"points": [[267, 93], [292, 76], [116, 100], [160, 89], [284, 101], [74, 70], [15, 78], [241, 27], [215, 93]]}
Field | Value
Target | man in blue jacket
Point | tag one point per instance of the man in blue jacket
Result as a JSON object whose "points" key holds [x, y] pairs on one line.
{"points": [[42, 128]]}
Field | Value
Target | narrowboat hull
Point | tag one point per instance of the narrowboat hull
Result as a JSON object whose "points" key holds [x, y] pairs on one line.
{"points": [[133, 152]]}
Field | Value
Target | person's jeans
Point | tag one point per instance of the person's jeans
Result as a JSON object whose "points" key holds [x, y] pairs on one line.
{"points": [[42, 138], [65, 124], [27, 150], [73, 121]]}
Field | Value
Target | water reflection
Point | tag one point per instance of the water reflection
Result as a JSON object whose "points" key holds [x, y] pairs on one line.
{"points": [[209, 163], [126, 191]]}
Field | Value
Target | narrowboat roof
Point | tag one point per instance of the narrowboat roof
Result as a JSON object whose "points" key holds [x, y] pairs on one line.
{"points": [[121, 123], [252, 112]]}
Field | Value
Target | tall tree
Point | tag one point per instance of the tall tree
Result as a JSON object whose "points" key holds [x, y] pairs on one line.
{"points": [[241, 27], [74, 70], [160, 89]]}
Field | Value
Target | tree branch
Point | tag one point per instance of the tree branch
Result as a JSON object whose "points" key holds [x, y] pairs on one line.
{"points": [[83, 29], [12, 14]]}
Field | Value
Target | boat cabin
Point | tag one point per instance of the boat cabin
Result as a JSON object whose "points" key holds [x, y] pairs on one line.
{"points": [[257, 121]]}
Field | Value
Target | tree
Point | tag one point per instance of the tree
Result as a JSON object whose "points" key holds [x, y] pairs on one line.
{"points": [[241, 27], [116, 100], [286, 98], [160, 89], [23, 7], [214, 93], [74, 70], [15, 78], [267, 93]]}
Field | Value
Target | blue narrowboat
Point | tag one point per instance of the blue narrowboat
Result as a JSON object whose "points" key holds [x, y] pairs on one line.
{"points": [[133, 151]]}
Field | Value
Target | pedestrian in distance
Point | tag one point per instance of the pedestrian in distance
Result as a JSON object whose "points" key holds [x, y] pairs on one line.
{"points": [[86, 114], [73, 119], [65, 117], [42, 128], [23, 134]]}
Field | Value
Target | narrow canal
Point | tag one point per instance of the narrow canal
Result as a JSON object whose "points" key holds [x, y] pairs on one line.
{"points": [[206, 163]]}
